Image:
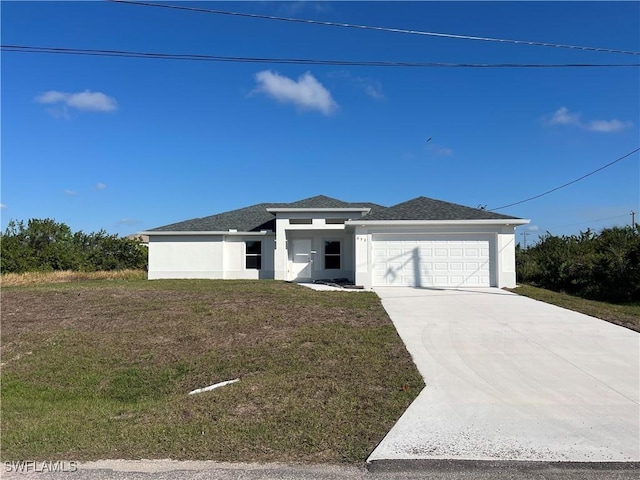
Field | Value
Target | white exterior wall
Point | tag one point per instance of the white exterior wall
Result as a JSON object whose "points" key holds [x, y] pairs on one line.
{"points": [[206, 256], [501, 241], [186, 256], [234, 258], [221, 255], [280, 254], [506, 255], [317, 244], [318, 231]]}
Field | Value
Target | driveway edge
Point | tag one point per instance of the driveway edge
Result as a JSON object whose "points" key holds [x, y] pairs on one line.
{"points": [[522, 466]]}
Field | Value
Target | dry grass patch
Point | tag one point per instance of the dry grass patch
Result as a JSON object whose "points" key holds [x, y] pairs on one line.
{"points": [[102, 370], [36, 278]]}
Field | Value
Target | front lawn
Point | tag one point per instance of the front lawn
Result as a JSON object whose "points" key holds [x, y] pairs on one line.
{"points": [[626, 315], [102, 369]]}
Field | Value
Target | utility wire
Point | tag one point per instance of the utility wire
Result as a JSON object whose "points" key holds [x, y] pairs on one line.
{"points": [[298, 61], [566, 184], [589, 221], [382, 29]]}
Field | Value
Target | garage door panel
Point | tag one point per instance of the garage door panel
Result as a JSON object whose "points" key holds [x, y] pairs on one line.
{"points": [[442, 261]]}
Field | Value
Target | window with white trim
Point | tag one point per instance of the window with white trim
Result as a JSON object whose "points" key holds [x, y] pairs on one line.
{"points": [[332, 255], [253, 254]]}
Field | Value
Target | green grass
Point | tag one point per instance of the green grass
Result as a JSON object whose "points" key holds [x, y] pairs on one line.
{"points": [[102, 368], [626, 315]]}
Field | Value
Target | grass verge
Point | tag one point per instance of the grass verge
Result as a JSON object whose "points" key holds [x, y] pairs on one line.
{"points": [[101, 369], [625, 315]]}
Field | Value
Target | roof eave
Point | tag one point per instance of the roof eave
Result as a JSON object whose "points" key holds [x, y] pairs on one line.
{"points": [[319, 210], [209, 232], [484, 221]]}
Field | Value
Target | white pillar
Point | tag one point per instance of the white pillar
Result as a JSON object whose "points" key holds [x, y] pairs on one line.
{"points": [[362, 261], [280, 255], [506, 258]]}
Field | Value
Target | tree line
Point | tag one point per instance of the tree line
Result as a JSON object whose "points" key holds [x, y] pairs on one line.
{"points": [[44, 245], [600, 266]]}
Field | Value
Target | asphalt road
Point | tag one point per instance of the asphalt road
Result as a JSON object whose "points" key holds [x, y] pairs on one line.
{"points": [[411, 469]]}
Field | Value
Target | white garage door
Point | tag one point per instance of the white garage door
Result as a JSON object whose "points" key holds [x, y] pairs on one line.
{"points": [[432, 260]]}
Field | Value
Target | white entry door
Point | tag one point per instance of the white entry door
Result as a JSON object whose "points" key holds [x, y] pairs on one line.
{"points": [[301, 261]]}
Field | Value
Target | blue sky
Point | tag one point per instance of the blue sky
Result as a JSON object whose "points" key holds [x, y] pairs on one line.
{"points": [[128, 144]]}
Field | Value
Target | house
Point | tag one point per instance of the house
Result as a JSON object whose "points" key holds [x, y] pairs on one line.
{"points": [[420, 243]]}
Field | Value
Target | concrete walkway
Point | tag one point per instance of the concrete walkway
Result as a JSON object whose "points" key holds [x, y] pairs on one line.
{"points": [[510, 378]]}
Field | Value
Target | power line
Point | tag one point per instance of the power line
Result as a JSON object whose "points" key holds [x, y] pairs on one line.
{"points": [[383, 29], [590, 221], [566, 184], [296, 61]]}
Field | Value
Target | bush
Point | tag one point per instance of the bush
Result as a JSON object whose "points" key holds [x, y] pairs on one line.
{"points": [[45, 246], [600, 266]]}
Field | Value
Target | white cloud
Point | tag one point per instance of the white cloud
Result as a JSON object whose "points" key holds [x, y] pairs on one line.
{"points": [[533, 228], [562, 116], [87, 100], [439, 150], [608, 126], [52, 97], [295, 8], [100, 186], [2, 206], [128, 222], [370, 86], [306, 93], [444, 151], [70, 192]]}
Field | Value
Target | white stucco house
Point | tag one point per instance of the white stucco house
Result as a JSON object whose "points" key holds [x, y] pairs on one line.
{"points": [[420, 243]]}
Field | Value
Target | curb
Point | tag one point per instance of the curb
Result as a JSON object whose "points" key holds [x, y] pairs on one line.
{"points": [[523, 466]]}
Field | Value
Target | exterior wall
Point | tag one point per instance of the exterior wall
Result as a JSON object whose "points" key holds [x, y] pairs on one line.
{"points": [[234, 258], [186, 256], [206, 256], [502, 242], [223, 256], [317, 244], [318, 231], [506, 257]]}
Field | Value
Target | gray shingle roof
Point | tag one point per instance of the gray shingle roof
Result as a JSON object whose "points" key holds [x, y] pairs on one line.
{"points": [[423, 208], [256, 217]]}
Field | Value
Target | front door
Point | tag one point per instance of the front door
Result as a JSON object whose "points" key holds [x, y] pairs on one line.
{"points": [[301, 261]]}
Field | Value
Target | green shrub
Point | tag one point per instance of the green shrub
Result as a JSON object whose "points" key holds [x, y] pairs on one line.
{"points": [[45, 246], [600, 266]]}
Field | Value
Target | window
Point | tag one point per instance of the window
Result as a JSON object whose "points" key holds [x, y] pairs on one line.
{"points": [[253, 254], [300, 221], [335, 221], [332, 255]]}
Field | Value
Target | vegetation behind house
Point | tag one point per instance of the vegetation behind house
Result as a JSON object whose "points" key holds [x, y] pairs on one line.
{"points": [[44, 245], [600, 266]]}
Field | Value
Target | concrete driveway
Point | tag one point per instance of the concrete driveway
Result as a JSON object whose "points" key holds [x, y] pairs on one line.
{"points": [[510, 378]]}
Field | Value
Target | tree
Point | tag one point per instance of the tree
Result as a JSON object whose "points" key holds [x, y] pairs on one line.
{"points": [[45, 245], [603, 266]]}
